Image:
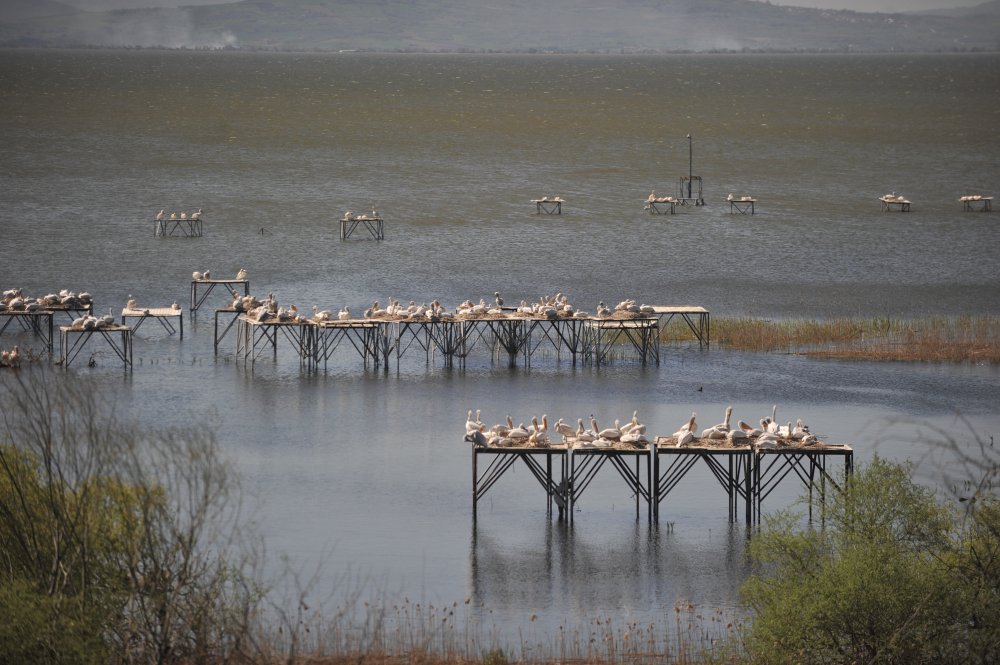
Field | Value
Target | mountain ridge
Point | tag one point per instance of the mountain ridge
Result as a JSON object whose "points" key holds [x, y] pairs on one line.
{"points": [[508, 25]]}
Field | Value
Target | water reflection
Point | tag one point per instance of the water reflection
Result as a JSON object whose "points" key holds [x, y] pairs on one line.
{"points": [[565, 573]]}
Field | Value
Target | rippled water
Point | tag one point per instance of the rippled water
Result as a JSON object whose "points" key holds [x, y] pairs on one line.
{"points": [[370, 466]]}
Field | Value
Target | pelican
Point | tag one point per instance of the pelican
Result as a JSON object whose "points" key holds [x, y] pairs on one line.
{"points": [[196, 215], [582, 434], [602, 311], [242, 274], [612, 433], [472, 425], [772, 424], [173, 215], [318, 315], [131, 304], [499, 300], [344, 314], [197, 275], [159, 216], [208, 275], [652, 197], [175, 306], [801, 431], [184, 215], [689, 427], [565, 430], [518, 433]]}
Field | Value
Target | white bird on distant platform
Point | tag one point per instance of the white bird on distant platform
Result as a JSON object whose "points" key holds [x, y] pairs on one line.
{"points": [[196, 215], [196, 275], [159, 215], [207, 275], [344, 314], [173, 215], [242, 274], [184, 215], [652, 197], [131, 304]]}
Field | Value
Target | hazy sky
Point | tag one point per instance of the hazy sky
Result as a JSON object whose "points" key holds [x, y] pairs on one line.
{"points": [[857, 5]]}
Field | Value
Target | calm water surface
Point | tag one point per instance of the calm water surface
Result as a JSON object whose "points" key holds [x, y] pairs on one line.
{"points": [[369, 467]]}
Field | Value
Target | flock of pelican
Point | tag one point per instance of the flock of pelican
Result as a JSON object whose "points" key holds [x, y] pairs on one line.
{"points": [[632, 434], [769, 434], [174, 216], [553, 307], [14, 300], [653, 198]]}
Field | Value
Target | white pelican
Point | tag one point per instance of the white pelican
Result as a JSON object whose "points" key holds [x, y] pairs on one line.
{"points": [[196, 215], [208, 275], [184, 215], [344, 314], [499, 299], [159, 216], [197, 275], [242, 274], [565, 429], [130, 304], [652, 197], [611, 433], [173, 215]]}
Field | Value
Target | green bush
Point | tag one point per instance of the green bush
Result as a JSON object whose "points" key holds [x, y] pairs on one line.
{"points": [[894, 577]]}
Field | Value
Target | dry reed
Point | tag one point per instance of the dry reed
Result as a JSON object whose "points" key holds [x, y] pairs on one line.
{"points": [[961, 339], [411, 633]]}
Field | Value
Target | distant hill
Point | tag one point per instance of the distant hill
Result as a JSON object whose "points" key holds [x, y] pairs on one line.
{"points": [[508, 25]]}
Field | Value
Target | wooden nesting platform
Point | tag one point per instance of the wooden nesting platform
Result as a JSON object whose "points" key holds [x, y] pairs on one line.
{"points": [[253, 338], [549, 206], [186, 228], [118, 337], [893, 202], [664, 205], [977, 201], [643, 335], [743, 205], [233, 314], [374, 225], [697, 318], [38, 322], [162, 314], [652, 471], [208, 285]]}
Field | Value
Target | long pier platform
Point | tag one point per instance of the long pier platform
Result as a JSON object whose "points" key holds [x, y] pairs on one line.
{"points": [[748, 474], [515, 339]]}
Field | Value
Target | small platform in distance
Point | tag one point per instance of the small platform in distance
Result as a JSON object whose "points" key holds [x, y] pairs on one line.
{"points": [[549, 206], [161, 314], [374, 224], [661, 205], [742, 205], [970, 203], [186, 228], [894, 202]]}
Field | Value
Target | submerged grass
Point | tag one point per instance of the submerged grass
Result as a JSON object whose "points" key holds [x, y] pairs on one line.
{"points": [[962, 339]]}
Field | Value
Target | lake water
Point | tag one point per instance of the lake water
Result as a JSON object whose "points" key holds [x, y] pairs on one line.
{"points": [[369, 467]]}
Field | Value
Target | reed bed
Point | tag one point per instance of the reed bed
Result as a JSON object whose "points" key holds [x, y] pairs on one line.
{"points": [[410, 633], [962, 339]]}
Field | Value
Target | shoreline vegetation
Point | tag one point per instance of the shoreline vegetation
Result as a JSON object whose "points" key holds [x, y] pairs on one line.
{"points": [[964, 339], [128, 545]]}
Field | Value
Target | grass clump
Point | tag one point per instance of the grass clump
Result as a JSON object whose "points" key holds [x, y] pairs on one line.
{"points": [[962, 339]]}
